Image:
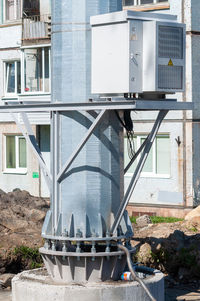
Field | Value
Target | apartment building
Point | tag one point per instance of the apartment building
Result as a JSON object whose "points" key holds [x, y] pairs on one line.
{"points": [[170, 181], [25, 76]]}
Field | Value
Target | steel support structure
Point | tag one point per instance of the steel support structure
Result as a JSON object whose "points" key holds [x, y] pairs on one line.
{"points": [[89, 253]]}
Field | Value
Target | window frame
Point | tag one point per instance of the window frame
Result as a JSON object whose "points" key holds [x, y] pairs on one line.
{"points": [[138, 3], [17, 169], [15, 12], [43, 70], [152, 174], [5, 62]]}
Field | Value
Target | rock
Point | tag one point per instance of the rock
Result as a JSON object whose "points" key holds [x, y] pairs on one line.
{"points": [[144, 254], [2, 192], [5, 280], [195, 212], [16, 190], [143, 221], [37, 215], [193, 223]]}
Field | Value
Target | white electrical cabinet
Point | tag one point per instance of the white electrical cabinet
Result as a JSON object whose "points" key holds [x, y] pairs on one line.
{"points": [[137, 52]]}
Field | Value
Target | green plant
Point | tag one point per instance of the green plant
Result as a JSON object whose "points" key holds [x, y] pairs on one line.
{"points": [[193, 229], [160, 256], [158, 219], [30, 255], [161, 219], [133, 219]]}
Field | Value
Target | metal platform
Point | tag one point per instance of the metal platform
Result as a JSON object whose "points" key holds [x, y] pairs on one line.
{"points": [[112, 104]]}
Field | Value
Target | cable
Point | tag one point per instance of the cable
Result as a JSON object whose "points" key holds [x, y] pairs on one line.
{"points": [[127, 123], [123, 248]]}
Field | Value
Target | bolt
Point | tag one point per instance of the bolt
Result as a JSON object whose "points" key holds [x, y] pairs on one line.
{"points": [[64, 248], [65, 233], [46, 245], [93, 250], [53, 245], [78, 233], [78, 249], [107, 249]]}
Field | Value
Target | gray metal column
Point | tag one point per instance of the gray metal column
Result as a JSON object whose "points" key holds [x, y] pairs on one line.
{"points": [[85, 200]]}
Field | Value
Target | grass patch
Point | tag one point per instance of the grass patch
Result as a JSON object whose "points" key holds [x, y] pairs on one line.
{"points": [[193, 229], [29, 255], [159, 219]]}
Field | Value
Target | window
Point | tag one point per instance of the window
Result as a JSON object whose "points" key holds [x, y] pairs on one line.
{"points": [[158, 160], [16, 160], [12, 10], [36, 70], [141, 2], [31, 8], [12, 77]]}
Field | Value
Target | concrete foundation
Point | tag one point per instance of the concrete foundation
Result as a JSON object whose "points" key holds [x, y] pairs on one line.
{"points": [[37, 285]]}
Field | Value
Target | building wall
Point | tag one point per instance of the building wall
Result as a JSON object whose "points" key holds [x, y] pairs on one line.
{"points": [[156, 190], [182, 189], [10, 49], [45, 7], [10, 181]]}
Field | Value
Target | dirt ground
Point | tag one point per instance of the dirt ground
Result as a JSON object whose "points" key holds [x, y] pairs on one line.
{"points": [[6, 295], [182, 293]]}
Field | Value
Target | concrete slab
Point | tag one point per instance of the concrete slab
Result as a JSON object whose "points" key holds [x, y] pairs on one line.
{"points": [[37, 285]]}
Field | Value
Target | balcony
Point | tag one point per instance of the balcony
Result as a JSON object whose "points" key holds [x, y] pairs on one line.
{"points": [[36, 28]]}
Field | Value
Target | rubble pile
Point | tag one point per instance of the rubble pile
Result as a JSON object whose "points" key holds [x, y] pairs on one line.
{"points": [[21, 219], [171, 247]]}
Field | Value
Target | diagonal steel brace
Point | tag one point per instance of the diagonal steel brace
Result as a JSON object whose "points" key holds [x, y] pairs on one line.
{"points": [[150, 139], [30, 138], [80, 145]]}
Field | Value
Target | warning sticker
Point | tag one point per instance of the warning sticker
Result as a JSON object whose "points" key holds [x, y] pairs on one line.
{"points": [[170, 63]]}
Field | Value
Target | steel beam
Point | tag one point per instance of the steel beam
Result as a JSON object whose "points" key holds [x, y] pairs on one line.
{"points": [[136, 105], [80, 146], [55, 166], [136, 175]]}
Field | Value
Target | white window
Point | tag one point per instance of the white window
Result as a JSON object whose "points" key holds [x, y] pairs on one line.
{"points": [[15, 154], [141, 2], [12, 78], [12, 10], [158, 160], [36, 70]]}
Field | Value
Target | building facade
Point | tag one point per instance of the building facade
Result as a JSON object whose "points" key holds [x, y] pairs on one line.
{"points": [[170, 181], [169, 184], [25, 39]]}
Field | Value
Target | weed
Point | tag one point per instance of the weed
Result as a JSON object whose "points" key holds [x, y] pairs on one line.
{"points": [[159, 219], [30, 255], [193, 229]]}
